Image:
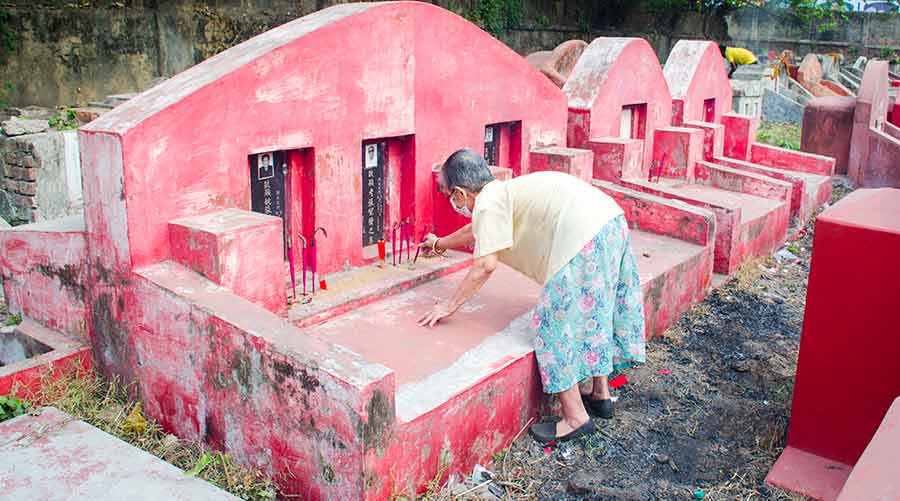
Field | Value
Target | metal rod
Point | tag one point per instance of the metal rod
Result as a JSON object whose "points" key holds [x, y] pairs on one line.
{"points": [[303, 260], [409, 231], [313, 258], [290, 249]]}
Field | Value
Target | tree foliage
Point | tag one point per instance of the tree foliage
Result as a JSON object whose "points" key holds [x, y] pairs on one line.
{"points": [[802, 9]]}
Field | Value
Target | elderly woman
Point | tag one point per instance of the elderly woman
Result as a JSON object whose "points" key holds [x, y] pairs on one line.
{"points": [[572, 239]]}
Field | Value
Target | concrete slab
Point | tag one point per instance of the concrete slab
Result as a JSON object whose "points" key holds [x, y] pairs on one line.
{"points": [[752, 207], [657, 254], [53, 455], [877, 473], [808, 474], [809, 191], [386, 332], [746, 225]]}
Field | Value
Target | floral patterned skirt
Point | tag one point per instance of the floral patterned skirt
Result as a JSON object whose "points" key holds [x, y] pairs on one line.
{"points": [[590, 317]]}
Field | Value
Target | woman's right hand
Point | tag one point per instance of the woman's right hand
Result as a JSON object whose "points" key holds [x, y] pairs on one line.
{"points": [[428, 242]]}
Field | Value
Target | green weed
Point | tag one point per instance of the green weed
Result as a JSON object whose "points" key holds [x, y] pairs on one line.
{"points": [[11, 407]]}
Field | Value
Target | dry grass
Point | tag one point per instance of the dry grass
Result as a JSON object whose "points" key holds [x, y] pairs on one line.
{"points": [[104, 404], [748, 274]]}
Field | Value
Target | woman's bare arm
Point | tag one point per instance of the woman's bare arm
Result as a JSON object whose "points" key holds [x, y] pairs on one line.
{"points": [[462, 237], [477, 275]]}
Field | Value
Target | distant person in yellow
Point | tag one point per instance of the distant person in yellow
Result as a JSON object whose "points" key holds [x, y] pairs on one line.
{"points": [[737, 56]]}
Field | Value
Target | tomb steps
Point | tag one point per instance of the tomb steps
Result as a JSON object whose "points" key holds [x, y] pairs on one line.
{"points": [[746, 225], [808, 191]]}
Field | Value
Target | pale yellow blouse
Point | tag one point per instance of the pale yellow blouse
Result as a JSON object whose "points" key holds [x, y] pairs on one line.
{"points": [[538, 222]]}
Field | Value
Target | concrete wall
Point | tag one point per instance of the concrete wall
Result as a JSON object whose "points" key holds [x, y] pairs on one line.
{"points": [[41, 176], [858, 34], [778, 108]]}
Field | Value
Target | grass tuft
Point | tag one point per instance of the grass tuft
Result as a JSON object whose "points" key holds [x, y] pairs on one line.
{"points": [[782, 135]]}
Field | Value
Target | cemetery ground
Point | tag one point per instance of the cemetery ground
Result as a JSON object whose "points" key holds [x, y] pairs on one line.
{"points": [[705, 417]]}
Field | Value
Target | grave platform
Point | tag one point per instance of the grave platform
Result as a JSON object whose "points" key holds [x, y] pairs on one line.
{"points": [[809, 191], [746, 225], [52, 455]]}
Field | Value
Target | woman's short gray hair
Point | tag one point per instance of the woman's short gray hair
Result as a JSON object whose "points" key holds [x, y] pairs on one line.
{"points": [[466, 169]]}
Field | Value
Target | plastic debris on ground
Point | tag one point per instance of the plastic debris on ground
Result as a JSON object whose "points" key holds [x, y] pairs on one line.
{"points": [[618, 382], [784, 255], [479, 485]]}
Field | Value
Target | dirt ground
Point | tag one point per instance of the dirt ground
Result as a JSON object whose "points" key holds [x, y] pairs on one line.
{"points": [[711, 427]]}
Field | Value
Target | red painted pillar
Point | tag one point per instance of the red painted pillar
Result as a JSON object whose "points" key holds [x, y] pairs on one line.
{"points": [[848, 371]]}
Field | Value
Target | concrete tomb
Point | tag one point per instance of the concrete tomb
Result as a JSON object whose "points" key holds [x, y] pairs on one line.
{"points": [[811, 76], [557, 64], [858, 131]]}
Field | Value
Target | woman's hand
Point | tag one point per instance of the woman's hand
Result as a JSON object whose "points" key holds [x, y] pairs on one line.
{"points": [[440, 311], [428, 243]]}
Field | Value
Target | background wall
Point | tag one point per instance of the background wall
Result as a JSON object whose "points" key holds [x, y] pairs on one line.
{"points": [[67, 52], [871, 35]]}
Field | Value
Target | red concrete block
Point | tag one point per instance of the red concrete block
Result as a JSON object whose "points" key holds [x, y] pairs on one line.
{"points": [[662, 216], [673, 243], [853, 290], [678, 149], [827, 129], [240, 250], [575, 162], [808, 191], [713, 138], [616, 159], [727, 216], [783, 158], [894, 116], [740, 133], [218, 368], [730, 179], [875, 475]]}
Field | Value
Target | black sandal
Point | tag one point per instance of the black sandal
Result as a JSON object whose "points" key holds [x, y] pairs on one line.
{"points": [[546, 432], [600, 408]]}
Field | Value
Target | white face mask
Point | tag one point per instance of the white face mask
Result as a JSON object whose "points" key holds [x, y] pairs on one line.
{"points": [[462, 210]]}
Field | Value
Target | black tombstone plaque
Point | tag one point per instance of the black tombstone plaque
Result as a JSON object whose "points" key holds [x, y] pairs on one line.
{"points": [[374, 158], [267, 171], [491, 144]]}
